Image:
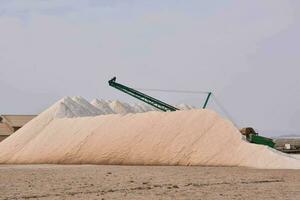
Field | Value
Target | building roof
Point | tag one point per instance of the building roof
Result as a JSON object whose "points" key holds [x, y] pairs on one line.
{"points": [[16, 120], [5, 130]]}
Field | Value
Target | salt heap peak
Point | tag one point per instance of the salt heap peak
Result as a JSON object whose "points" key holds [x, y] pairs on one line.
{"points": [[88, 106], [102, 105], [67, 107], [62, 110], [109, 107], [137, 108], [79, 107]]}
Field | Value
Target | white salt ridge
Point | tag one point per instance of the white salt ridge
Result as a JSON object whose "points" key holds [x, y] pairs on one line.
{"points": [[67, 107], [117, 107], [80, 107], [88, 106], [139, 108], [102, 105], [146, 107], [109, 107]]}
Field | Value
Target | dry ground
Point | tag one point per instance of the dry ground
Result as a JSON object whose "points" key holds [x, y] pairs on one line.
{"points": [[143, 182]]}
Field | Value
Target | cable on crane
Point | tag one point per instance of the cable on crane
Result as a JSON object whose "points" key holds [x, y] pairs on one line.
{"points": [[193, 92], [173, 91], [224, 110]]}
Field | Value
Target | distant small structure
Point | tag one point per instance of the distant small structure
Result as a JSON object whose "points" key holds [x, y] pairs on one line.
{"points": [[5, 131], [288, 144], [11, 123]]}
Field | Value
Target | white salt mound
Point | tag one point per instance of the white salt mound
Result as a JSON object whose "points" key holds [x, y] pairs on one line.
{"points": [[79, 107], [142, 107], [102, 105], [67, 107], [193, 137], [88, 106], [117, 107]]}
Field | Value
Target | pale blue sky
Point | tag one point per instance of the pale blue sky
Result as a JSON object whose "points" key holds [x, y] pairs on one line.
{"points": [[247, 52]]}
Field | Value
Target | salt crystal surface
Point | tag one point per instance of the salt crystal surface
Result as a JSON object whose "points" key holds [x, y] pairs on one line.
{"points": [[102, 105], [88, 106], [72, 108], [110, 107]]}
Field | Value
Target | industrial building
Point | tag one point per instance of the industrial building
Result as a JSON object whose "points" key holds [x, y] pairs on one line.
{"points": [[11, 123]]}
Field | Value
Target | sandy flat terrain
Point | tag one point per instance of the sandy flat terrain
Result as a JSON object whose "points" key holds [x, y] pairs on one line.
{"points": [[145, 182]]}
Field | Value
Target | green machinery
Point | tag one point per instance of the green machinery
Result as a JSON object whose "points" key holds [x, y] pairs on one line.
{"points": [[146, 98], [250, 134], [141, 96], [253, 137]]}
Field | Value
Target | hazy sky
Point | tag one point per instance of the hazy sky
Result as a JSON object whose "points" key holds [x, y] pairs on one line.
{"points": [[246, 52]]}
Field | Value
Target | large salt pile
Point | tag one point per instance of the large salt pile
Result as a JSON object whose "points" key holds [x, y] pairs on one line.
{"points": [[194, 137]]}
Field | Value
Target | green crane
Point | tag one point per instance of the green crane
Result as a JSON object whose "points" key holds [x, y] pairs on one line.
{"points": [[148, 99], [141, 96]]}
